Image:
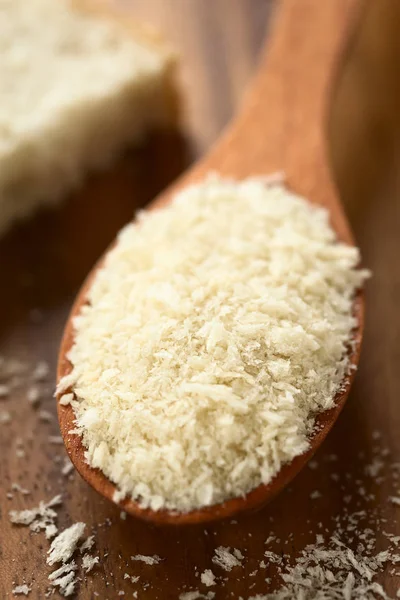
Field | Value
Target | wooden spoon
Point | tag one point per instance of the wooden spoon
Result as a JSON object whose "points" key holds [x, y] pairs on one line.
{"points": [[281, 128]]}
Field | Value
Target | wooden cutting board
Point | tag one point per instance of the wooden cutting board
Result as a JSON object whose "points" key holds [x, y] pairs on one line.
{"points": [[43, 262]]}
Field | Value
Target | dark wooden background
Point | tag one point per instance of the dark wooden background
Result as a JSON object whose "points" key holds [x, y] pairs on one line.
{"points": [[43, 262]]}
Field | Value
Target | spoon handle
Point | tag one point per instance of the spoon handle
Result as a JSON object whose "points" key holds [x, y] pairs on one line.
{"points": [[282, 123]]}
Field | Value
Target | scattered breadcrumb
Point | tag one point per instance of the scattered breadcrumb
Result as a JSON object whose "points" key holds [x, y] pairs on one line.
{"points": [[87, 544], [45, 416], [225, 559], [133, 578], [375, 467], [273, 557], [315, 495], [348, 563], [395, 539], [39, 518], [55, 439], [33, 395], [196, 595], [122, 515], [10, 368], [66, 584], [208, 578], [21, 590], [149, 560], [64, 545], [334, 571], [65, 578], [5, 417], [88, 562], [4, 391], [68, 467], [67, 568], [42, 371], [17, 488], [50, 531], [395, 500]]}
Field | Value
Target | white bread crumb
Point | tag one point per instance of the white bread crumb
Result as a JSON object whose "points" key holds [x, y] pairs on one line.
{"points": [[238, 554], [66, 584], [64, 545], [149, 560], [133, 578], [16, 487], [4, 391], [89, 562], [196, 595], [66, 399], [67, 568], [38, 518], [21, 590], [34, 395], [55, 439], [10, 368], [5, 417], [225, 559], [118, 495], [87, 544], [65, 384], [65, 578], [45, 416], [315, 495], [41, 371], [50, 531], [208, 578], [67, 468]]}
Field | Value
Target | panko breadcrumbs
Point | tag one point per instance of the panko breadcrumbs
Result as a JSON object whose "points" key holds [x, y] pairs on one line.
{"points": [[215, 330]]}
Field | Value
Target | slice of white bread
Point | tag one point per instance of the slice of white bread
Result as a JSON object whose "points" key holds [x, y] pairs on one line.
{"points": [[77, 84]]}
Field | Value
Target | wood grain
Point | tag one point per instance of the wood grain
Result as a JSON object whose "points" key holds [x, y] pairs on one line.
{"points": [[42, 263]]}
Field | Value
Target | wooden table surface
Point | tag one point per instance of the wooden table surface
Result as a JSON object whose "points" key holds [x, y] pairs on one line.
{"points": [[43, 262]]}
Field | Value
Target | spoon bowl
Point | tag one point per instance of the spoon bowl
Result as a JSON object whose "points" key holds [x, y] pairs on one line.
{"points": [[280, 128]]}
